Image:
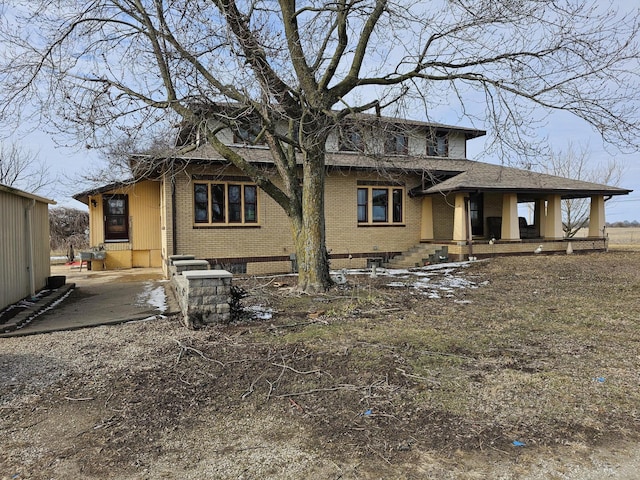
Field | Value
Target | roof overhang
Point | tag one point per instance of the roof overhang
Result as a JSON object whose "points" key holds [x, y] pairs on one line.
{"points": [[83, 197], [30, 196]]}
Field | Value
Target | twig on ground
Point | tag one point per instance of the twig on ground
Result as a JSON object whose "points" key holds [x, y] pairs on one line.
{"points": [[299, 324], [294, 370], [185, 348], [244, 449], [417, 377], [318, 390], [83, 399], [379, 454], [296, 405], [381, 310], [251, 388]]}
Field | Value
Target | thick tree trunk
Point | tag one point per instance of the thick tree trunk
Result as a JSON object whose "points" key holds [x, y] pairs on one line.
{"points": [[309, 227]]}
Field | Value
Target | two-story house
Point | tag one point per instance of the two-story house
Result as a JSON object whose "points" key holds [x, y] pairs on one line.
{"points": [[393, 186]]}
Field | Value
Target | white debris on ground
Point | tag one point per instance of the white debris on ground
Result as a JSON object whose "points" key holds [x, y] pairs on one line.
{"points": [[433, 281], [260, 312], [153, 295]]}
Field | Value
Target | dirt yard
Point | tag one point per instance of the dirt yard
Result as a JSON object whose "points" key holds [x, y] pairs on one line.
{"points": [[509, 368]]}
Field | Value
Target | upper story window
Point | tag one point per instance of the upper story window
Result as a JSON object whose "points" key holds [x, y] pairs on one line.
{"points": [[380, 205], [247, 135], [351, 140], [438, 144], [116, 218], [396, 143], [223, 203]]}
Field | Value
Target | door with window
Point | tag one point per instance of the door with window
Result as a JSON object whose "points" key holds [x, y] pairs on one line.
{"points": [[116, 218]]}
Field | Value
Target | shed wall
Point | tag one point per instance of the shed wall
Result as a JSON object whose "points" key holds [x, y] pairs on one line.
{"points": [[15, 246]]}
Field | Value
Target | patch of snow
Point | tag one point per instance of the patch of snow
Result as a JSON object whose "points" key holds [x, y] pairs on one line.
{"points": [[153, 295], [260, 312], [426, 282]]}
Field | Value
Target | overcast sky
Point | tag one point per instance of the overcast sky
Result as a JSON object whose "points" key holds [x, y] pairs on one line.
{"points": [[70, 163]]}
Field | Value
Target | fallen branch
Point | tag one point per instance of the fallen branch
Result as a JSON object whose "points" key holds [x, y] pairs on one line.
{"points": [[185, 348], [299, 324], [235, 450], [294, 370], [294, 404], [318, 390], [417, 377], [83, 399], [381, 310], [251, 388]]}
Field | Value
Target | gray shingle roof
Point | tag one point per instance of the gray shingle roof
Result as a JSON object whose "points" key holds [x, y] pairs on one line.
{"points": [[459, 175]]}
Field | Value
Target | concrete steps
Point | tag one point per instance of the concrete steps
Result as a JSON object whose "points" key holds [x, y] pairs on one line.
{"points": [[419, 255]]}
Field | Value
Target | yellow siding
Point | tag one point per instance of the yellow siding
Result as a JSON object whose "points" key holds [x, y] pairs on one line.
{"points": [[96, 223], [145, 242], [144, 214], [443, 210], [118, 259]]}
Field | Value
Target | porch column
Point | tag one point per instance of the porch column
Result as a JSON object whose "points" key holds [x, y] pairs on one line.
{"points": [[459, 219], [510, 226], [426, 226], [596, 217], [553, 224], [539, 216]]}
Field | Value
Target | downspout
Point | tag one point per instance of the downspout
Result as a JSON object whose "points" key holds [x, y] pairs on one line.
{"points": [[174, 222], [30, 255]]}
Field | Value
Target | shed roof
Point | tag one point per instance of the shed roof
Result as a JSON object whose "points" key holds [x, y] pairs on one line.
{"points": [[22, 193]]}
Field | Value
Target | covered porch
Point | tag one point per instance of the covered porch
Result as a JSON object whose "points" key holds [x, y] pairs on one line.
{"points": [[489, 223], [475, 211]]}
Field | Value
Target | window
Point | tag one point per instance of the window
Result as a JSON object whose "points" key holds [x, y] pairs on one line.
{"points": [[396, 144], [248, 135], [380, 205], [216, 203], [476, 213], [438, 145], [116, 218], [363, 205], [351, 140]]}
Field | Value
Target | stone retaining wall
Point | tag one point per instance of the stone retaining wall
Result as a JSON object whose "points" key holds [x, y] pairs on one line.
{"points": [[204, 295]]}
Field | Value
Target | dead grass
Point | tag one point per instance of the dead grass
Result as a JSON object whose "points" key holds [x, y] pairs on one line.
{"points": [[368, 381], [624, 238]]}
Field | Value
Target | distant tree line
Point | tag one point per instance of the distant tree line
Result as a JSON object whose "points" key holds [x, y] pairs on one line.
{"points": [[624, 224], [68, 228]]}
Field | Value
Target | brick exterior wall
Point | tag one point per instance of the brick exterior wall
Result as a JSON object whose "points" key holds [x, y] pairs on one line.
{"points": [[267, 246]]}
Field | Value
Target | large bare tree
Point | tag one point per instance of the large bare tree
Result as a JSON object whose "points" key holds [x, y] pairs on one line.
{"points": [[102, 68], [21, 168], [575, 162]]}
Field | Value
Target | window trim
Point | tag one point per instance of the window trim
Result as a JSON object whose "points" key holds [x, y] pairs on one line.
{"points": [[109, 236], [391, 210], [391, 143], [347, 142], [433, 144], [226, 216], [245, 136]]}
